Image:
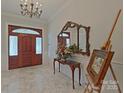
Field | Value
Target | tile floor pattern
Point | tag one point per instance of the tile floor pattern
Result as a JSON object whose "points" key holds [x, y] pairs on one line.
{"points": [[37, 79]]}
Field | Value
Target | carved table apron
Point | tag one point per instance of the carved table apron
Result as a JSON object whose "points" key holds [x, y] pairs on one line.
{"points": [[72, 65]]}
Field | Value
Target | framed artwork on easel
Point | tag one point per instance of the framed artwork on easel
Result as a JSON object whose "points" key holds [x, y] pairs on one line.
{"points": [[98, 65]]}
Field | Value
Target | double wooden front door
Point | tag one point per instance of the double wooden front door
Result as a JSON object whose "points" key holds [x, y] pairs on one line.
{"points": [[26, 51]]}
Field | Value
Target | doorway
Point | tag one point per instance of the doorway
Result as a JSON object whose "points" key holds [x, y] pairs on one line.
{"points": [[25, 46]]}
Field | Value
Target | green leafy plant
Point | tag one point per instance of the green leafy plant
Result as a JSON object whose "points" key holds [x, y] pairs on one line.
{"points": [[73, 48]]}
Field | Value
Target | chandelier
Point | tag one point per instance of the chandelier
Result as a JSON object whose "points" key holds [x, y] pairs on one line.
{"points": [[28, 8]]}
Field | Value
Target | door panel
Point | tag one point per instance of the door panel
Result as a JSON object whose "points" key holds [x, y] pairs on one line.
{"points": [[26, 49], [38, 59], [13, 62]]}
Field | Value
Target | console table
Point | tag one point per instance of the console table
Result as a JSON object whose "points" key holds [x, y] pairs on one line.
{"points": [[72, 65]]}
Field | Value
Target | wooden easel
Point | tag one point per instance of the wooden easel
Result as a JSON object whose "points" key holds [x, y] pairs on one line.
{"points": [[107, 46]]}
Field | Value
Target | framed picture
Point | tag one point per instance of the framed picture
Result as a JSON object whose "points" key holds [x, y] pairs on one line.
{"points": [[98, 65]]}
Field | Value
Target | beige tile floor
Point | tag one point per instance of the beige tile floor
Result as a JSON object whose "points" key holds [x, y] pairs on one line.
{"points": [[37, 79]]}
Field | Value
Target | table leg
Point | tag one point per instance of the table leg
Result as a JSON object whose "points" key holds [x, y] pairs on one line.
{"points": [[54, 66], [59, 66], [79, 75], [72, 68]]}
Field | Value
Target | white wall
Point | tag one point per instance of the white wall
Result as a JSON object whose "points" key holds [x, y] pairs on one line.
{"points": [[20, 21], [100, 15]]}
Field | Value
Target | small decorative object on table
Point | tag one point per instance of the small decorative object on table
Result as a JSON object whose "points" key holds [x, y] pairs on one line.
{"points": [[63, 53]]}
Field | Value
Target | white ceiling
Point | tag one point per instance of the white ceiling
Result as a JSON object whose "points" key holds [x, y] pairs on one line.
{"points": [[50, 7]]}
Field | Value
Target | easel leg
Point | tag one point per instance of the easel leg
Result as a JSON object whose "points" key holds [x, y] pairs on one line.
{"points": [[86, 88], [113, 74]]}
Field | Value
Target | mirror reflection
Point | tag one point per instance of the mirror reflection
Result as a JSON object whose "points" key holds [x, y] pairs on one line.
{"points": [[72, 36], [82, 39], [64, 39]]}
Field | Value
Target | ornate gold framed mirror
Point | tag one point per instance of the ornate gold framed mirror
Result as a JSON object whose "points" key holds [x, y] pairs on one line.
{"points": [[75, 34]]}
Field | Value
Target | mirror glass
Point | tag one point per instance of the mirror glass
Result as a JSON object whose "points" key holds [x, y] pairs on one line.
{"points": [[82, 39], [73, 35]]}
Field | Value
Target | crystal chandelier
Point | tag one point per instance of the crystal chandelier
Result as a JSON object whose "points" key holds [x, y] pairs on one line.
{"points": [[30, 9]]}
